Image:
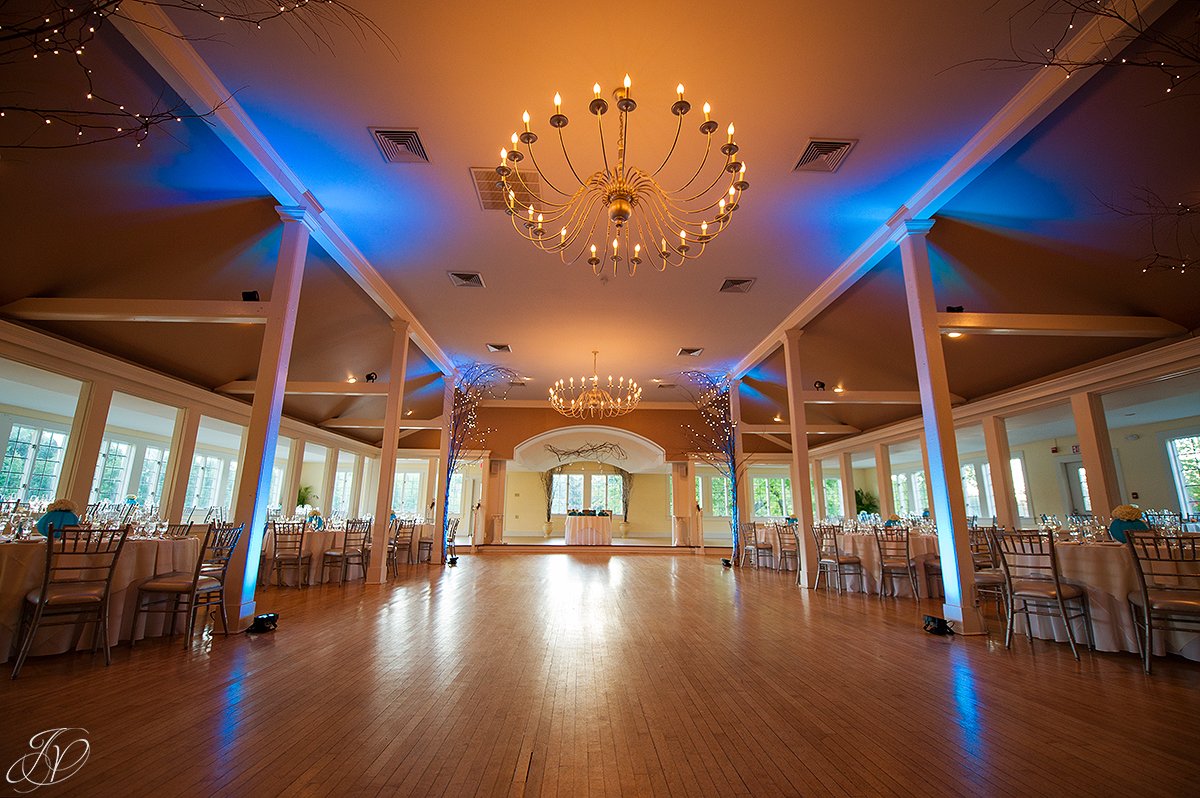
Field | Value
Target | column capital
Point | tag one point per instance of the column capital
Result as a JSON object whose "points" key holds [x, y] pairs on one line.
{"points": [[399, 326], [913, 227], [294, 213], [792, 335]]}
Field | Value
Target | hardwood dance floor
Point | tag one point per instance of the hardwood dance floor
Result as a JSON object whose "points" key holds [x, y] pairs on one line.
{"points": [[597, 674]]}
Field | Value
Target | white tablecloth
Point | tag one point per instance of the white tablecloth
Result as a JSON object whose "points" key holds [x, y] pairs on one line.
{"points": [[315, 545], [21, 569], [589, 530], [1108, 573], [921, 548]]}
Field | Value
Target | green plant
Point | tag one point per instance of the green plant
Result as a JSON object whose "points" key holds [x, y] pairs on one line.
{"points": [[865, 502], [306, 496]]}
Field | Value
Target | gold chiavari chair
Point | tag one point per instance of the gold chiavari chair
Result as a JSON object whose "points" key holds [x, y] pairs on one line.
{"points": [[178, 531], [789, 545], [895, 557], [751, 545], [1168, 594], [831, 561], [1032, 577], [288, 539], [352, 552], [76, 584], [400, 536]]}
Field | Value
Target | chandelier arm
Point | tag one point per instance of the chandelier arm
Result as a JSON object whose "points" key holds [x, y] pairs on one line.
{"points": [[700, 168], [711, 186], [622, 142], [562, 143], [545, 203], [579, 220], [542, 174], [641, 225], [674, 143], [603, 151]]}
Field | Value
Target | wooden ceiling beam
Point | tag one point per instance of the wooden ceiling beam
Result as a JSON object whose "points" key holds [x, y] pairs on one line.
{"points": [[830, 397], [178, 311], [812, 429], [246, 387], [377, 423], [1055, 324]]}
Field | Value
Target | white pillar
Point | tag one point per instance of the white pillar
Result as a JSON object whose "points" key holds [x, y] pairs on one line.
{"points": [[801, 472], [291, 480], [497, 493], [254, 477], [995, 438], [846, 471], [945, 482], [444, 475], [354, 503], [818, 483], [742, 494], [328, 480], [883, 475], [683, 502], [83, 445], [925, 471], [397, 374], [1096, 447], [179, 463]]}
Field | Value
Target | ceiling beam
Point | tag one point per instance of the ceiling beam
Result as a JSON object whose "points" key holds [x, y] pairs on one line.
{"points": [[246, 387], [775, 439], [831, 429], [377, 423], [187, 311], [811, 429], [152, 33], [867, 397], [1059, 325], [1037, 99]]}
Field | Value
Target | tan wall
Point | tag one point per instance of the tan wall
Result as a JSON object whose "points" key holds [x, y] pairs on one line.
{"points": [[525, 503]]}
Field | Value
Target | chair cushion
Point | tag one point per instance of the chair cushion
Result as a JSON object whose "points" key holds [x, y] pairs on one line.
{"points": [[66, 594], [178, 582], [1041, 589], [891, 562], [989, 578], [845, 559], [1170, 600]]}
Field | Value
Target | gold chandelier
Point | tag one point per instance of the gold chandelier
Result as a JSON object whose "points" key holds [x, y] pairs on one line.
{"points": [[589, 400], [639, 217]]}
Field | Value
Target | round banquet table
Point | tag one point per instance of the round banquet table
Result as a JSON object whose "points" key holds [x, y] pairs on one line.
{"points": [[589, 530], [316, 543], [22, 566], [921, 548], [1107, 571]]}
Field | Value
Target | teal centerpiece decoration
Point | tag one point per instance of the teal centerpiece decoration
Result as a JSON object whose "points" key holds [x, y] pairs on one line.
{"points": [[1125, 518], [59, 514]]}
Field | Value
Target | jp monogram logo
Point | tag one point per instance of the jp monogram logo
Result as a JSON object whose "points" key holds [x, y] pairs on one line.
{"points": [[58, 754]]}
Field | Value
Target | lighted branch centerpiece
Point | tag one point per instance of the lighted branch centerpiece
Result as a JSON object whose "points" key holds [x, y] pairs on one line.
{"points": [[640, 217], [589, 399]]}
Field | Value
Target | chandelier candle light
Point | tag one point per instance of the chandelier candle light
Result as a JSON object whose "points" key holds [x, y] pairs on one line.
{"points": [[589, 400], [640, 218]]}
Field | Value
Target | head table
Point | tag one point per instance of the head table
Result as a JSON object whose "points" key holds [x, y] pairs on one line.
{"points": [[589, 530], [22, 565]]}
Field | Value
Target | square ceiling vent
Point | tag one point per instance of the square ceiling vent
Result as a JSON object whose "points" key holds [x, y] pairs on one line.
{"points": [[490, 191], [737, 285], [690, 351], [400, 146], [499, 348], [466, 279], [824, 155]]}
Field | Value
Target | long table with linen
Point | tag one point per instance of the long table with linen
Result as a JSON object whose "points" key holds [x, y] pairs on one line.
{"points": [[1108, 573], [921, 549], [22, 565], [316, 543], [589, 530]]}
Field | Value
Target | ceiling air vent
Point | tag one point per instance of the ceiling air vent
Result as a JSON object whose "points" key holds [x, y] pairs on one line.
{"points": [[824, 155], [666, 385], [400, 146], [517, 383], [499, 348], [491, 192], [737, 285], [690, 351], [466, 279]]}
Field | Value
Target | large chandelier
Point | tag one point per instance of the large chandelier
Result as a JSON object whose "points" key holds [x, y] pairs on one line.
{"points": [[621, 213], [588, 399]]}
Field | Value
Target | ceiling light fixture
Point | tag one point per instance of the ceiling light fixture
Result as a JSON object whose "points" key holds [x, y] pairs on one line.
{"points": [[639, 216], [954, 334], [589, 400], [351, 380], [818, 385], [778, 418], [371, 376], [839, 389]]}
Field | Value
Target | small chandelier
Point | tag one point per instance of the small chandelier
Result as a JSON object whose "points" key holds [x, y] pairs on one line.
{"points": [[639, 218], [589, 400]]}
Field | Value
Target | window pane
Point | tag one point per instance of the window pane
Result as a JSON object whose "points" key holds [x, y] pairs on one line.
{"points": [[599, 497], [341, 492], [455, 499], [1081, 475], [1187, 472], [17, 454], [574, 491], [111, 472], [970, 490], [1024, 508], [719, 497], [833, 497], [901, 496], [558, 493], [154, 472]]}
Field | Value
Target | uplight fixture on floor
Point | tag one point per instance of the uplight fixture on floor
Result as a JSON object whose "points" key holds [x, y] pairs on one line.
{"points": [[641, 218]]}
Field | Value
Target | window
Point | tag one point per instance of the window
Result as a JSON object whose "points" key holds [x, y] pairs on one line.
{"points": [[203, 481], [112, 472], [606, 493], [276, 486], [720, 500], [454, 502], [901, 494], [566, 493], [1083, 489], [1185, 462], [1020, 488], [772, 496], [341, 492], [833, 497], [406, 494], [970, 484], [154, 472], [32, 462]]}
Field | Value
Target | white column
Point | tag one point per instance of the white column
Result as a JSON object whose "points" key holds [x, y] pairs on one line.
{"points": [[481, 532], [945, 481], [995, 439], [83, 446], [1096, 447], [328, 480], [354, 503], [254, 476], [439, 519], [818, 482], [497, 494], [291, 481], [846, 471], [683, 502], [802, 504], [925, 467], [397, 374], [742, 494], [883, 475], [179, 463]]}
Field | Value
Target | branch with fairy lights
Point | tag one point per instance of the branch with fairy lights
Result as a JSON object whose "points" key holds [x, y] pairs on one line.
{"points": [[1172, 54], [644, 215], [474, 383], [598, 452], [713, 439], [1174, 230], [57, 34]]}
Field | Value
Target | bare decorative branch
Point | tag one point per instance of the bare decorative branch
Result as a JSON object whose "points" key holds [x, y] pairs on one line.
{"points": [[599, 452], [1174, 229]]}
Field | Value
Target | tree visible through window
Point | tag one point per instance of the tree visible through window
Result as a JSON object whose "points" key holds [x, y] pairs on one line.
{"points": [[1185, 457], [772, 496]]}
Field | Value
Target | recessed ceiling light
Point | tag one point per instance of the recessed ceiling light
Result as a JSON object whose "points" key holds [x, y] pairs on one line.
{"points": [[954, 334], [655, 379], [352, 380], [839, 389], [408, 412], [778, 418]]}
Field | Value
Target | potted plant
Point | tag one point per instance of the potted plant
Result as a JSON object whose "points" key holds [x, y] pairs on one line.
{"points": [[306, 496]]}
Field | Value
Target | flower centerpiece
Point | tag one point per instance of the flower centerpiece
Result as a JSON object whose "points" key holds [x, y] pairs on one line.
{"points": [[315, 520], [131, 499], [893, 520], [60, 513], [1125, 517]]}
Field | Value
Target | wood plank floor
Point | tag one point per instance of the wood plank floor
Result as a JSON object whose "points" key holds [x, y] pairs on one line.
{"points": [[596, 674]]}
